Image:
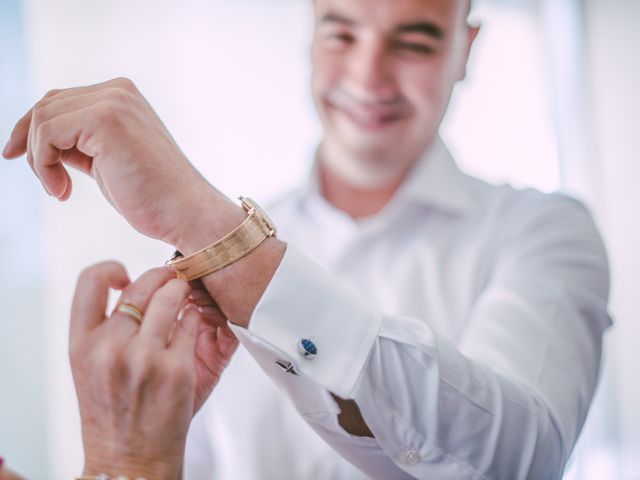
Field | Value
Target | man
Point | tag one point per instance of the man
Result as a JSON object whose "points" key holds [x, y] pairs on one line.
{"points": [[454, 329]]}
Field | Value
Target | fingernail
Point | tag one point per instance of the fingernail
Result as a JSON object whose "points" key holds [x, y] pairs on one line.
{"points": [[168, 269], [207, 310], [190, 306], [6, 149], [185, 308]]}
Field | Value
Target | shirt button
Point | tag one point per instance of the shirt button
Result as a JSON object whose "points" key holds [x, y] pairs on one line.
{"points": [[411, 455]]}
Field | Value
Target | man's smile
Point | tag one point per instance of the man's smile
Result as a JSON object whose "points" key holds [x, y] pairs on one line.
{"points": [[371, 115]]}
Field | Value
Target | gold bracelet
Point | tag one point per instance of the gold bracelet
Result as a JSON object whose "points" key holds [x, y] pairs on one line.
{"points": [[256, 228]]}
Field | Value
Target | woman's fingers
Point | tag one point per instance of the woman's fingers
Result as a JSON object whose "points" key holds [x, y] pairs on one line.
{"points": [[215, 347], [200, 296], [163, 311], [228, 341], [209, 310], [137, 295], [186, 333], [92, 292]]}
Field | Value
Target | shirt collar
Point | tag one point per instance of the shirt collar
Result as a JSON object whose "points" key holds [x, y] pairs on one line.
{"points": [[435, 181]]}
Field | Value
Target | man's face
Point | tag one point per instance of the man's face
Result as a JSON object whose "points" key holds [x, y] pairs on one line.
{"points": [[384, 71]]}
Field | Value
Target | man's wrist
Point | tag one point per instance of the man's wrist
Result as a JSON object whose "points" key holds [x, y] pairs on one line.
{"points": [[206, 221], [238, 287]]}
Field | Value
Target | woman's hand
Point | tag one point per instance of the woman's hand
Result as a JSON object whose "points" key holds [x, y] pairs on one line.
{"points": [[138, 383], [215, 345], [6, 474]]}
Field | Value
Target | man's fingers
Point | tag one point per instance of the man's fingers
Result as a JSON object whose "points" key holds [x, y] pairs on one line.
{"points": [[62, 104], [92, 292], [138, 294], [72, 100], [17, 144], [67, 193], [54, 177], [55, 96], [50, 138], [53, 137], [78, 160], [163, 311], [19, 138]]}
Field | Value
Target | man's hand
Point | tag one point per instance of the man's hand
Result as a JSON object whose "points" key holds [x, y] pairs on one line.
{"points": [[110, 132], [139, 384]]}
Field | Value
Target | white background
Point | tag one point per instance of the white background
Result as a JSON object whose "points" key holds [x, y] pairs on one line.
{"points": [[550, 102]]}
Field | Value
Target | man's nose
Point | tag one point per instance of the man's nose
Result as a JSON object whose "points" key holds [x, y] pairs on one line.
{"points": [[370, 73]]}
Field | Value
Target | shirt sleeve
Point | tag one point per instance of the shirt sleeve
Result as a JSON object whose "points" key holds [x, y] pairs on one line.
{"points": [[507, 402]]}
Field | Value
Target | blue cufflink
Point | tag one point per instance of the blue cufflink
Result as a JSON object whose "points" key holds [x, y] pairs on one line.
{"points": [[307, 348]]}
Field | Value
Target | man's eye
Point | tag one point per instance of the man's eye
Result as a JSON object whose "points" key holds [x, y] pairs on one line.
{"points": [[340, 38], [414, 47]]}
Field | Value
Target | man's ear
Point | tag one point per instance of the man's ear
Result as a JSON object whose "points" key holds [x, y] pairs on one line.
{"points": [[472, 34]]}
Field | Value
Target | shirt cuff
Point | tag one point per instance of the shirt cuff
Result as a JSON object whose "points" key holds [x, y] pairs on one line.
{"points": [[303, 301]]}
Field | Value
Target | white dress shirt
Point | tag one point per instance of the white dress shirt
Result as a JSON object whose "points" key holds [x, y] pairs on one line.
{"points": [[464, 319]]}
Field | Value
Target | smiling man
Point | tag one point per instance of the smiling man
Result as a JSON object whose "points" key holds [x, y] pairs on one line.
{"points": [[422, 323], [476, 355], [383, 76]]}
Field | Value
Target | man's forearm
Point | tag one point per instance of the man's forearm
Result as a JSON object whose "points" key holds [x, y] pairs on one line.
{"points": [[237, 288]]}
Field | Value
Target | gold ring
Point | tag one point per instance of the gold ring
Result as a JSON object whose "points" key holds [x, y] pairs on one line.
{"points": [[131, 311]]}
